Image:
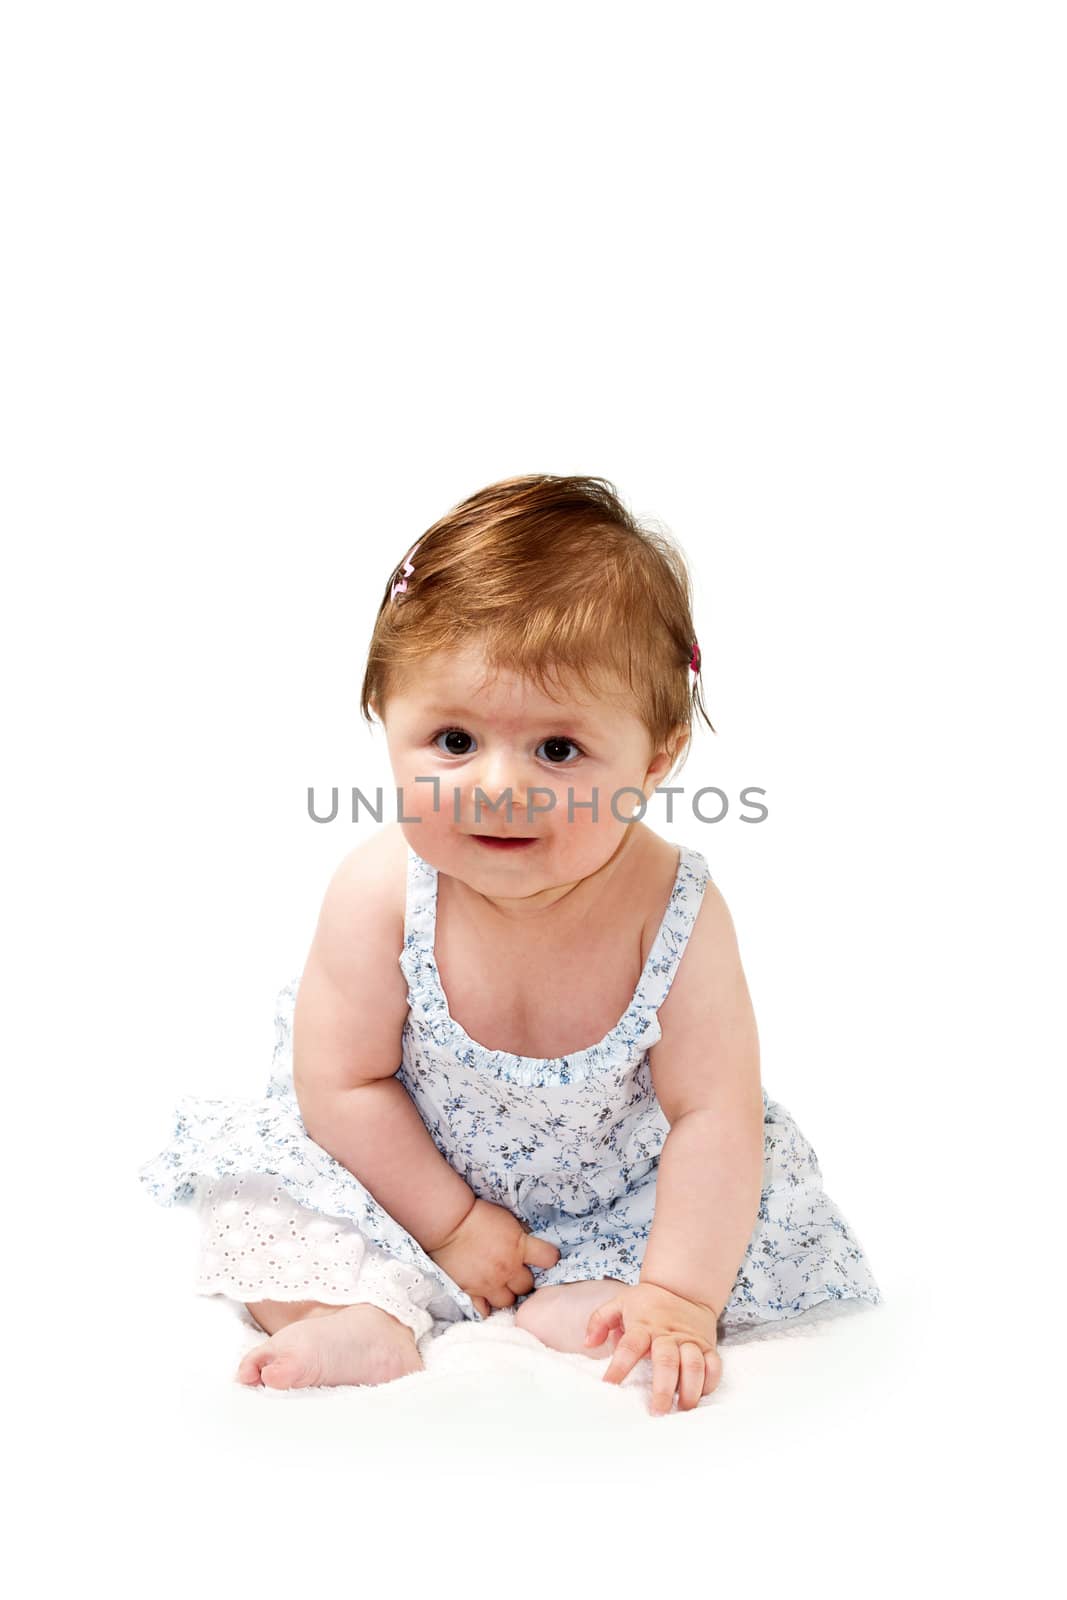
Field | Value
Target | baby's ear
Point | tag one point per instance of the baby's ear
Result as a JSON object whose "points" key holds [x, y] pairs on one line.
{"points": [[676, 745], [665, 759]]}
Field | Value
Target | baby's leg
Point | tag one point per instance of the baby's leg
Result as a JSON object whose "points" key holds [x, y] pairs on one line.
{"points": [[559, 1313], [338, 1309]]}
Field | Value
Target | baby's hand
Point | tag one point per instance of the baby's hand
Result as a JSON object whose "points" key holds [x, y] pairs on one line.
{"points": [[485, 1255], [675, 1332]]}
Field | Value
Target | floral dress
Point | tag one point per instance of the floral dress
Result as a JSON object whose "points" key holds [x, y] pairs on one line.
{"points": [[570, 1145]]}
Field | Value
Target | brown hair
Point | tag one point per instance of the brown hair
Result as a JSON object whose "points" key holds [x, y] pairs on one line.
{"points": [[552, 575]]}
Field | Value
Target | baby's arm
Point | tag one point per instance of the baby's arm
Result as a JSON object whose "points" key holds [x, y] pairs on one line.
{"points": [[350, 1012], [706, 1075]]}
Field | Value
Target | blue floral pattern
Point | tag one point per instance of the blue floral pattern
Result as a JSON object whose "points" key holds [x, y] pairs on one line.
{"points": [[569, 1145]]}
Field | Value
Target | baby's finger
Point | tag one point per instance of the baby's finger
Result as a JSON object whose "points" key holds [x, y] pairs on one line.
{"points": [[539, 1252], [631, 1348], [664, 1373], [500, 1299], [713, 1364], [691, 1383], [601, 1320]]}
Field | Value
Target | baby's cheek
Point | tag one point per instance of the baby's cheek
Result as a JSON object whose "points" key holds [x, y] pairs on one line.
{"points": [[413, 807], [593, 818], [426, 831]]}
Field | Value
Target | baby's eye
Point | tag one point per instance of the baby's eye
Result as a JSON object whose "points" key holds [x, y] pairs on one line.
{"points": [[456, 745], [556, 750]]}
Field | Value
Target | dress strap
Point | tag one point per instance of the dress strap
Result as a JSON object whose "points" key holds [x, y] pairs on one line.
{"points": [[420, 904], [687, 895]]}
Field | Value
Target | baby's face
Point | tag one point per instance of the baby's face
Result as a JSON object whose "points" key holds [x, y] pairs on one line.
{"points": [[454, 723]]}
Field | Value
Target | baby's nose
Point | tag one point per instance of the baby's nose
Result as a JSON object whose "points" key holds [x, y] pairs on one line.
{"points": [[499, 776]]}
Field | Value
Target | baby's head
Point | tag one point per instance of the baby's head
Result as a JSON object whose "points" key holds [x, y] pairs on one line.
{"points": [[537, 641]]}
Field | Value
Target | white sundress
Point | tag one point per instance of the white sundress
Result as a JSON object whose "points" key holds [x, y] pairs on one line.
{"points": [[569, 1145]]}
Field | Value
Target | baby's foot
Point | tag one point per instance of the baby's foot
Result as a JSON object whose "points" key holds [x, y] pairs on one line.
{"points": [[355, 1344]]}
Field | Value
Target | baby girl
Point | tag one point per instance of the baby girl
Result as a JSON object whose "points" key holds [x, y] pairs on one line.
{"points": [[520, 1067]]}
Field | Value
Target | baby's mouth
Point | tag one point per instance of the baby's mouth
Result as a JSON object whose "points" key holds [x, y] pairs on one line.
{"points": [[499, 842]]}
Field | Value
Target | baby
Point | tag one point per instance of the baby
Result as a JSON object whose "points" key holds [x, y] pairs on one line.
{"points": [[520, 1066]]}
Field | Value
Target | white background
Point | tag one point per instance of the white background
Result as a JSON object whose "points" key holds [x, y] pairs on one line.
{"points": [[283, 284]]}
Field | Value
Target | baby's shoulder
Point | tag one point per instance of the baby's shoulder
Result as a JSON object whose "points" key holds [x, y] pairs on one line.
{"points": [[352, 999], [368, 889]]}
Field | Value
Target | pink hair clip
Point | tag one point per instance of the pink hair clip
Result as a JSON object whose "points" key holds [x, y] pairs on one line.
{"points": [[694, 659], [400, 585]]}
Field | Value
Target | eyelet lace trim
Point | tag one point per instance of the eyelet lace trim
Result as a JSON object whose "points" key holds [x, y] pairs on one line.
{"points": [[257, 1243]]}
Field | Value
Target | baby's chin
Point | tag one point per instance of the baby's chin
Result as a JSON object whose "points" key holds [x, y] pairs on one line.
{"points": [[495, 858]]}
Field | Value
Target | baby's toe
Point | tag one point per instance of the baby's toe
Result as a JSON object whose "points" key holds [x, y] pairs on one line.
{"points": [[276, 1367], [252, 1364], [287, 1369]]}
